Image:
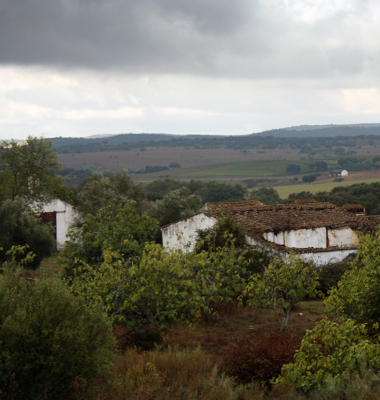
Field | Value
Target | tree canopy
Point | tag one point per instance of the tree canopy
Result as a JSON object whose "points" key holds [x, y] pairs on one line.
{"points": [[28, 169], [97, 191], [19, 227], [175, 205], [116, 227], [265, 195]]}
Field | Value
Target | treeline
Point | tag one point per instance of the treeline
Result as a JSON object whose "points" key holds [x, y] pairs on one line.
{"points": [[229, 142], [366, 194], [355, 164]]}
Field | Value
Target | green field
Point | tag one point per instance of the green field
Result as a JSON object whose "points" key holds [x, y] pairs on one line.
{"points": [[285, 191]]}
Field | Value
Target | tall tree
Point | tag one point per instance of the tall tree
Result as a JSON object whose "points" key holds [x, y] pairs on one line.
{"points": [[175, 205], [28, 169], [98, 191], [265, 195]]}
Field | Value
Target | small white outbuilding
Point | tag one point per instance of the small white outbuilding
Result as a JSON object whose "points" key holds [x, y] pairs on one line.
{"points": [[344, 173], [61, 215]]}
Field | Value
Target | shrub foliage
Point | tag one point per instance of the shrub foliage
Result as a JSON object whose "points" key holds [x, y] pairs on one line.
{"points": [[48, 339]]}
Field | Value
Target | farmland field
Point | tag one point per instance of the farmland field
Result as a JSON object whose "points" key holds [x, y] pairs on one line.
{"points": [[224, 165], [328, 184]]}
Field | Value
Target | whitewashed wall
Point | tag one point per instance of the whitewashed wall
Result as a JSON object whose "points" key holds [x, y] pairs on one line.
{"points": [[66, 214], [318, 238], [327, 257], [183, 234], [342, 237]]}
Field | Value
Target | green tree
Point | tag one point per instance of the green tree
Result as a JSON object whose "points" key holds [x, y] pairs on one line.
{"points": [[265, 195], [282, 285], [339, 151], [306, 148], [357, 294], [28, 170], [319, 166], [116, 227], [293, 169], [332, 352], [174, 206], [310, 178], [163, 288], [216, 192], [20, 227], [49, 338], [97, 191]]}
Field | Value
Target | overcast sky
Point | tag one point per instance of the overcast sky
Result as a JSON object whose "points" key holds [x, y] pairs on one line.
{"points": [[90, 67]]}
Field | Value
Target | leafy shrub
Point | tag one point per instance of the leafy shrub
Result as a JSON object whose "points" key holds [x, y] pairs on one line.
{"points": [[117, 226], [330, 275], [20, 227], [260, 357], [48, 340], [332, 352], [357, 294]]}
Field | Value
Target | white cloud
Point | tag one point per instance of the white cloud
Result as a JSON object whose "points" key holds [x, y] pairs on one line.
{"points": [[121, 113]]}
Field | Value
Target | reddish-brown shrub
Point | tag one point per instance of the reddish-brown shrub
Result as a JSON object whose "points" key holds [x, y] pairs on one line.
{"points": [[260, 357]]}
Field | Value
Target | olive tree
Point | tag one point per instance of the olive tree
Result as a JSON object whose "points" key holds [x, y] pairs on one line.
{"points": [[282, 285], [332, 352], [160, 290], [357, 295]]}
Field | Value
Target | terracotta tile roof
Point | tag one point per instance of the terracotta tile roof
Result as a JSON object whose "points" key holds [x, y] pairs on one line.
{"points": [[256, 219]]}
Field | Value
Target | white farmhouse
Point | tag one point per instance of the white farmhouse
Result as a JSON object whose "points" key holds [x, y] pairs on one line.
{"points": [[61, 215], [318, 232]]}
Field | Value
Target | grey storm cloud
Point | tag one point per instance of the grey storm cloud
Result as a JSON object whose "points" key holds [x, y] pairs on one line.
{"points": [[250, 38], [134, 35]]}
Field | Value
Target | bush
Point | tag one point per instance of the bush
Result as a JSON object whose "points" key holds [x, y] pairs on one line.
{"points": [[18, 227], [260, 358], [49, 339], [173, 374], [116, 226], [333, 352], [330, 275]]}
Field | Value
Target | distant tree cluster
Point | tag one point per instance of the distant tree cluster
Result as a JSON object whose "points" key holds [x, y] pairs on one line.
{"points": [[210, 191], [265, 195], [355, 164], [366, 194]]}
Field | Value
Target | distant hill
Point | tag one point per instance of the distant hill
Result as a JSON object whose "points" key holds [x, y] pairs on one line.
{"points": [[123, 138], [324, 131], [313, 127], [315, 135]]}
